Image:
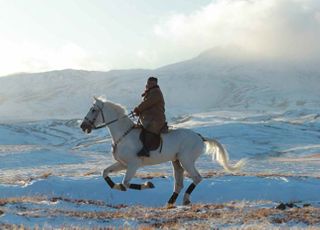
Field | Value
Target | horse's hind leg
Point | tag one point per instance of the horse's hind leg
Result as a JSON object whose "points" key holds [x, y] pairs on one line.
{"points": [[178, 177], [196, 178], [131, 171], [113, 168]]}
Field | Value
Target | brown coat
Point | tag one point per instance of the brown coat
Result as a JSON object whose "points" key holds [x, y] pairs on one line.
{"points": [[152, 110]]}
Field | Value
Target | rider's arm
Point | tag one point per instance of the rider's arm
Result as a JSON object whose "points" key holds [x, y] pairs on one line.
{"points": [[153, 98]]}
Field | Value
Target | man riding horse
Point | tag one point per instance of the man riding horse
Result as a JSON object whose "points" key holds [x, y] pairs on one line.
{"points": [[180, 146], [151, 114]]}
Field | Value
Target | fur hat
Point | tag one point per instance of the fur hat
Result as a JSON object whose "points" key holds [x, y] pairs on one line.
{"points": [[153, 79]]}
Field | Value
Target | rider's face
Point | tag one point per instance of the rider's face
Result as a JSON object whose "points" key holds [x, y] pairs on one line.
{"points": [[150, 84]]}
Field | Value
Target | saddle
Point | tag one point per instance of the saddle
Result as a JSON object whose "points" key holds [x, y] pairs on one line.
{"points": [[150, 140]]}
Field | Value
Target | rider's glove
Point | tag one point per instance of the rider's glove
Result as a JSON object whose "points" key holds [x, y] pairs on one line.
{"points": [[136, 111]]}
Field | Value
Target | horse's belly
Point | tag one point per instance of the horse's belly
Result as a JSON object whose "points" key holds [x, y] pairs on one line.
{"points": [[158, 158]]}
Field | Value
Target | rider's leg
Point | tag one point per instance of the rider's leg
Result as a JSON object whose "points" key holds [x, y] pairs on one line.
{"points": [[144, 152]]}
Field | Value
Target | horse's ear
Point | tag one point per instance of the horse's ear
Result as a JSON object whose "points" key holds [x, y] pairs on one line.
{"points": [[95, 98]]}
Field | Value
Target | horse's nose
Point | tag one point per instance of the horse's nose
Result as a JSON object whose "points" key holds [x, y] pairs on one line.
{"points": [[85, 127], [82, 126]]}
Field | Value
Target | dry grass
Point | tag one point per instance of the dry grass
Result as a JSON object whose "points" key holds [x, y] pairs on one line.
{"points": [[244, 215], [15, 200], [24, 180], [53, 200], [212, 174]]}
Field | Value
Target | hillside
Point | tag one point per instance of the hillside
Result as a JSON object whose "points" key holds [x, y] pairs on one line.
{"points": [[211, 81]]}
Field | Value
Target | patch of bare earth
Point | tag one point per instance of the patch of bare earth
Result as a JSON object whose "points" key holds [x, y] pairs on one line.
{"points": [[244, 215]]}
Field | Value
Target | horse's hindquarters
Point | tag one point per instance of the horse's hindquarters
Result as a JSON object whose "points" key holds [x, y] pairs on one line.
{"points": [[179, 143]]}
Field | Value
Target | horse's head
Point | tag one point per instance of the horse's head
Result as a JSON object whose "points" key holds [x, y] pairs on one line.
{"points": [[94, 117]]}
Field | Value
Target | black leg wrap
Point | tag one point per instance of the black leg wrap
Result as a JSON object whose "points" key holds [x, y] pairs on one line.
{"points": [[190, 188], [173, 198], [135, 186], [109, 181]]}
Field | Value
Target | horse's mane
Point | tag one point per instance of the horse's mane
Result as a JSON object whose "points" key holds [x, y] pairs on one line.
{"points": [[120, 109]]}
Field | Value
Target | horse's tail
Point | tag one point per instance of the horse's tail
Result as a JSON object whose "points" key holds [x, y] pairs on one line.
{"points": [[219, 153]]}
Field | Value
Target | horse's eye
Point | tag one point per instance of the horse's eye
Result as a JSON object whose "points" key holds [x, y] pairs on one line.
{"points": [[93, 110]]}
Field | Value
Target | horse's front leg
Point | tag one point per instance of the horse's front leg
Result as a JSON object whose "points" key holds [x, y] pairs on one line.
{"points": [[131, 171], [114, 168]]}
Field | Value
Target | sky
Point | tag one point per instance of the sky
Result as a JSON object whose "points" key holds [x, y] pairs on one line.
{"points": [[43, 35]]}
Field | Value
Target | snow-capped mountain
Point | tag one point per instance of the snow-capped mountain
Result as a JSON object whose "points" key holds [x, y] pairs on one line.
{"points": [[210, 81]]}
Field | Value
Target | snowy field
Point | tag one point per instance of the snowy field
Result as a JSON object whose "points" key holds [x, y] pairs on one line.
{"points": [[264, 110], [50, 176]]}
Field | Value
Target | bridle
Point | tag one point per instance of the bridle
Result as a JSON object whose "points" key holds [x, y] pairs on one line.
{"points": [[104, 123]]}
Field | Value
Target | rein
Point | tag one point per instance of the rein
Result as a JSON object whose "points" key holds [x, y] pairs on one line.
{"points": [[110, 122], [104, 124]]}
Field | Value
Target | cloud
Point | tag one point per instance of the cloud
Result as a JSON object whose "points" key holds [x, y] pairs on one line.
{"points": [[263, 28], [31, 57], [270, 28]]}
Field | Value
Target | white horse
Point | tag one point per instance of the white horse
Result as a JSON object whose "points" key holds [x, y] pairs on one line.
{"points": [[180, 146]]}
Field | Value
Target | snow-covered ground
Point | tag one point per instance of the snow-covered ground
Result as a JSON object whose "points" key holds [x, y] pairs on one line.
{"points": [[51, 171]]}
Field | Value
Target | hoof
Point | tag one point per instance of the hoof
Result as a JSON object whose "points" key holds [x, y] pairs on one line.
{"points": [[122, 188], [149, 185], [170, 206], [186, 202]]}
